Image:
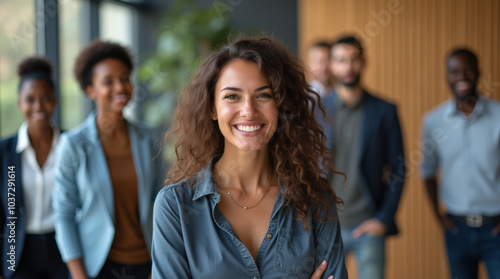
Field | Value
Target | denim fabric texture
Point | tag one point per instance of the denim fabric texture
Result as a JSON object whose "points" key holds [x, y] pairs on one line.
{"points": [[192, 239], [470, 245], [369, 252]]}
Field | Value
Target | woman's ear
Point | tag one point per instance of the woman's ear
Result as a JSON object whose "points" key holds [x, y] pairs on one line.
{"points": [[213, 114], [89, 89]]}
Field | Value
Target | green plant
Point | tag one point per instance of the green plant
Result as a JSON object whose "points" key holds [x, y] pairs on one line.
{"points": [[186, 33]]}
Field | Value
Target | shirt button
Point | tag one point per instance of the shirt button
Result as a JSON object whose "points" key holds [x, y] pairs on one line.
{"points": [[269, 236]]}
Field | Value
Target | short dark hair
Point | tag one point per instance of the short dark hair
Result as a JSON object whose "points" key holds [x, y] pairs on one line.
{"points": [[350, 40], [463, 51], [94, 53], [324, 44], [35, 68]]}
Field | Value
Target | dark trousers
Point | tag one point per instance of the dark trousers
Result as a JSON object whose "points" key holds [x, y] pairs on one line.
{"points": [[114, 270], [40, 259], [469, 246]]}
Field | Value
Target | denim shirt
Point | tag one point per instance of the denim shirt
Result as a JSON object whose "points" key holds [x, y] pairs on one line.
{"points": [[192, 239]]}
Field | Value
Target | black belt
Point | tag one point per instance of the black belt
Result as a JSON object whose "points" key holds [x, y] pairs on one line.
{"points": [[41, 237], [476, 220]]}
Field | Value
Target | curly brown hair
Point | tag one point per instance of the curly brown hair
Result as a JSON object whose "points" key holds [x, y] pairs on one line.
{"points": [[297, 150], [94, 53]]}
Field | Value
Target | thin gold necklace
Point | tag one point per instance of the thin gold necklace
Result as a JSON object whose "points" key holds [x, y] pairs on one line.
{"points": [[242, 206]]}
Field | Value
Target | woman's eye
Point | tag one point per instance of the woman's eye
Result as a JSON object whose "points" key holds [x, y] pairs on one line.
{"points": [[231, 96], [29, 100], [265, 95], [126, 80], [108, 82]]}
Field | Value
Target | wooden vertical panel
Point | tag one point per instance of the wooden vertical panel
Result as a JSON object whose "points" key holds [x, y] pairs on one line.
{"points": [[407, 66]]}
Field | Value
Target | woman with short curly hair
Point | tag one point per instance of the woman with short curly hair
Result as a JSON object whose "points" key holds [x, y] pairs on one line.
{"points": [[248, 196], [105, 182]]}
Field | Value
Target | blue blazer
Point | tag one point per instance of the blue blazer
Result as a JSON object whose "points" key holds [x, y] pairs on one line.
{"points": [[83, 195], [11, 159], [380, 158]]}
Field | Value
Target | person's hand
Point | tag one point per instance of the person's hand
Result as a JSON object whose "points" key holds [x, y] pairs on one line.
{"points": [[496, 230], [371, 227], [447, 224], [320, 270], [77, 269], [79, 276]]}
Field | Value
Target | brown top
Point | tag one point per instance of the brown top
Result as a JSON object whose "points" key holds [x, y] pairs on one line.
{"points": [[128, 245]]}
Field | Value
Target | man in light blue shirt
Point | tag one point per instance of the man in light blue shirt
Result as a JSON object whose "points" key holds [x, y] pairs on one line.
{"points": [[461, 138]]}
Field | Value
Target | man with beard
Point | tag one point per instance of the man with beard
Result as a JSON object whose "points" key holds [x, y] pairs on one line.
{"points": [[319, 64], [366, 138], [461, 139]]}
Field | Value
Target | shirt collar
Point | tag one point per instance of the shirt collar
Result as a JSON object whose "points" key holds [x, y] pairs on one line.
{"points": [[479, 108], [23, 140], [317, 85], [206, 185], [341, 105], [205, 181]]}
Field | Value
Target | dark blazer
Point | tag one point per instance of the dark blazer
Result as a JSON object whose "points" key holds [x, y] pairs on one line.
{"points": [[16, 237], [381, 155]]}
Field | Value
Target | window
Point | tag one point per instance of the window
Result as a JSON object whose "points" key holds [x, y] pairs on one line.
{"points": [[78, 24], [117, 24], [72, 38], [17, 41]]}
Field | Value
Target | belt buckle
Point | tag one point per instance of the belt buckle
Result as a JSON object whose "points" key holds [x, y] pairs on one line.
{"points": [[474, 220]]}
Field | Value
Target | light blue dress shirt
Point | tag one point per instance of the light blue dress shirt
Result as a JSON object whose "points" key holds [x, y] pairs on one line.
{"points": [[192, 239], [467, 151]]}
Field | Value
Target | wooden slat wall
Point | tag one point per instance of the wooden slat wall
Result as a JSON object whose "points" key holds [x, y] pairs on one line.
{"points": [[406, 66]]}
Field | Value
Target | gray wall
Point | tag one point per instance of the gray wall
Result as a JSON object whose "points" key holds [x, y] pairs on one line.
{"points": [[277, 18]]}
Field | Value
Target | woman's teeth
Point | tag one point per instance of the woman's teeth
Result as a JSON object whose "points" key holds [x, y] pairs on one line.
{"points": [[248, 128]]}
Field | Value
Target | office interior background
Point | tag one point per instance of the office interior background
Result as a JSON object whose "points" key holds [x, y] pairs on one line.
{"points": [[406, 42]]}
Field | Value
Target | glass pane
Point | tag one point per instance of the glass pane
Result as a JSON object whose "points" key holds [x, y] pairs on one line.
{"points": [[116, 23], [70, 36], [17, 41]]}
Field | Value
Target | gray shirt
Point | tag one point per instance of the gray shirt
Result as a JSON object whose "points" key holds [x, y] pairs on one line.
{"points": [[347, 125], [192, 239], [467, 151]]}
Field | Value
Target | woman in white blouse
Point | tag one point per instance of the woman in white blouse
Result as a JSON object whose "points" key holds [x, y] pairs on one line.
{"points": [[28, 245]]}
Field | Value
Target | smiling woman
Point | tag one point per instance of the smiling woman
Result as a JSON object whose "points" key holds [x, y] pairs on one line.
{"points": [[244, 107], [25, 205], [247, 196], [105, 185]]}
